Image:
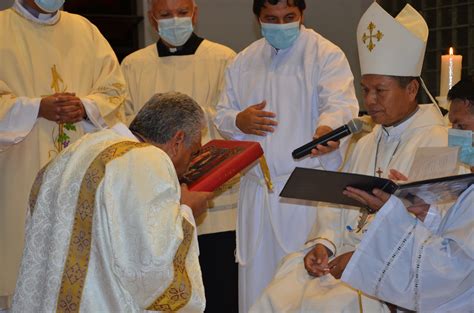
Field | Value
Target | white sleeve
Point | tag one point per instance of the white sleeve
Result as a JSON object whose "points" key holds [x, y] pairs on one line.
{"points": [[94, 120], [17, 118], [337, 101], [401, 261], [228, 108]]}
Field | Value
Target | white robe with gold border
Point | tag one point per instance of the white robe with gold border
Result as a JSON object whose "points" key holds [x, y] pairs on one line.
{"points": [[200, 76], [427, 268], [396, 149], [30, 50], [136, 231]]}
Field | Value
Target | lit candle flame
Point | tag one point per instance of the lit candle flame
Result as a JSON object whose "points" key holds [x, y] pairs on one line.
{"points": [[451, 51]]}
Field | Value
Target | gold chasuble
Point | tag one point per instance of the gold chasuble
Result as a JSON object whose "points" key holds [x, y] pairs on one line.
{"points": [[125, 246], [39, 58]]}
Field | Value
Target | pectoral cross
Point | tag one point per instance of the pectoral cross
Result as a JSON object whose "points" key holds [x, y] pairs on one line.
{"points": [[379, 172], [378, 36]]}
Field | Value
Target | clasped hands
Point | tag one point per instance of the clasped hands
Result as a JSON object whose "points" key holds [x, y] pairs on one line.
{"points": [[255, 121], [64, 107], [317, 264]]}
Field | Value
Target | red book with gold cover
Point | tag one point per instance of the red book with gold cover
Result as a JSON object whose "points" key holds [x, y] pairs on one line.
{"points": [[219, 161]]}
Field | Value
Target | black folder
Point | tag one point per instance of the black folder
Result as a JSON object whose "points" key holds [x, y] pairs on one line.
{"points": [[327, 186]]}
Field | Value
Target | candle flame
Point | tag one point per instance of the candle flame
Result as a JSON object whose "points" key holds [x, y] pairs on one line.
{"points": [[451, 51]]}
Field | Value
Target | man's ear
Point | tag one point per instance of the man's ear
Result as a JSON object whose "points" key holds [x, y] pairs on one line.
{"points": [[152, 20], [195, 15], [177, 142], [412, 89]]}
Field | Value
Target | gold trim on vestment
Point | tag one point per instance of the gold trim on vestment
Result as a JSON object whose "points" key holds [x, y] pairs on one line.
{"points": [[77, 260], [178, 294]]}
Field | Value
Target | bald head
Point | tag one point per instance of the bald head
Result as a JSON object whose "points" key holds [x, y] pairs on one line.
{"points": [[164, 9]]}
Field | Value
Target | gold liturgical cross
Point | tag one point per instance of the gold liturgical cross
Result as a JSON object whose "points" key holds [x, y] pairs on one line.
{"points": [[371, 36]]}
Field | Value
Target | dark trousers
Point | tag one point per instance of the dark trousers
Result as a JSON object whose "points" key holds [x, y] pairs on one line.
{"points": [[219, 271]]}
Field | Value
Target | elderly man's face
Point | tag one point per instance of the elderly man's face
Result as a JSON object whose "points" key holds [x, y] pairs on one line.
{"points": [[163, 9], [461, 114], [281, 13], [386, 102], [185, 154]]}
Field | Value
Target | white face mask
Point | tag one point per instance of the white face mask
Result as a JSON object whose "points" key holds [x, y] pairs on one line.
{"points": [[49, 6], [175, 31]]}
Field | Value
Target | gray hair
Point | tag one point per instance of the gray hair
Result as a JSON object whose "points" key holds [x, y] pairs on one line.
{"points": [[167, 113]]}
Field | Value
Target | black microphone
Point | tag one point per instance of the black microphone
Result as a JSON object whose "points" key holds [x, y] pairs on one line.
{"points": [[353, 127]]}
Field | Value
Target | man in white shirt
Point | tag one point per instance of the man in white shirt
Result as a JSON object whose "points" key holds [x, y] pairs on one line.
{"points": [[59, 78], [181, 61], [110, 229], [281, 91], [426, 266]]}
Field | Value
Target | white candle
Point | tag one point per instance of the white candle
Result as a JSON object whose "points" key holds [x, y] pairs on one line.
{"points": [[451, 66]]}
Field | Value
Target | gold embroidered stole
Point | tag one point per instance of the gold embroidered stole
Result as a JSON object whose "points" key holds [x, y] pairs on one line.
{"points": [[178, 294], [77, 260]]}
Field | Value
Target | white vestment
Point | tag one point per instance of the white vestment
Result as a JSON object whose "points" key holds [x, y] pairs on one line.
{"points": [[427, 268], [63, 53], [200, 76], [135, 233], [336, 227], [307, 85]]}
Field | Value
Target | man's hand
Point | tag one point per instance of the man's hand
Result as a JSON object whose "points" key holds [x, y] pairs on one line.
{"points": [[316, 261], [255, 121], [396, 175], [374, 202], [320, 149], [196, 200], [420, 210], [338, 265], [62, 108]]}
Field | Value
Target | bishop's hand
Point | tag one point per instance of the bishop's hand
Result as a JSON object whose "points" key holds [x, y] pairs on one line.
{"points": [[255, 121], [316, 262], [374, 201], [338, 265]]}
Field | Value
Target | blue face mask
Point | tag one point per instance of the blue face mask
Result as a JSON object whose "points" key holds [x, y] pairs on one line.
{"points": [[281, 36], [463, 139], [175, 31], [49, 6]]}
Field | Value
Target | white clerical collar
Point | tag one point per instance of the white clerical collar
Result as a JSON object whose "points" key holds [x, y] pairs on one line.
{"points": [[123, 130], [35, 16], [400, 127]]}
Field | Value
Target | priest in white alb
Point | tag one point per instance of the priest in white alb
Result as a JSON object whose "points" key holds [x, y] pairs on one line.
{"points": [[110, 229], [59, 78], [424, 264], [182, 61], [308, 281]]}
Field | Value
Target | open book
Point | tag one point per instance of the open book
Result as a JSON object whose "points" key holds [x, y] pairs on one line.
{"points": [[218, 161], [327, 186]]}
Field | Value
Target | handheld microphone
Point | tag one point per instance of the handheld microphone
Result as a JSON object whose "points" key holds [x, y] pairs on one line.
{"points": [[353, 127]]}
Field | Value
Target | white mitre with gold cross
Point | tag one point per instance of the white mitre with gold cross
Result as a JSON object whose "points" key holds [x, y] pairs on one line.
{"points": [[392, 46]]}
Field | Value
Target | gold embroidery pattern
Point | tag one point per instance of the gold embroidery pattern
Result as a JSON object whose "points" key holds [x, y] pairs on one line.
{"points": [[178, 294], [379, 35], [36, 188], [77, 260]]}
